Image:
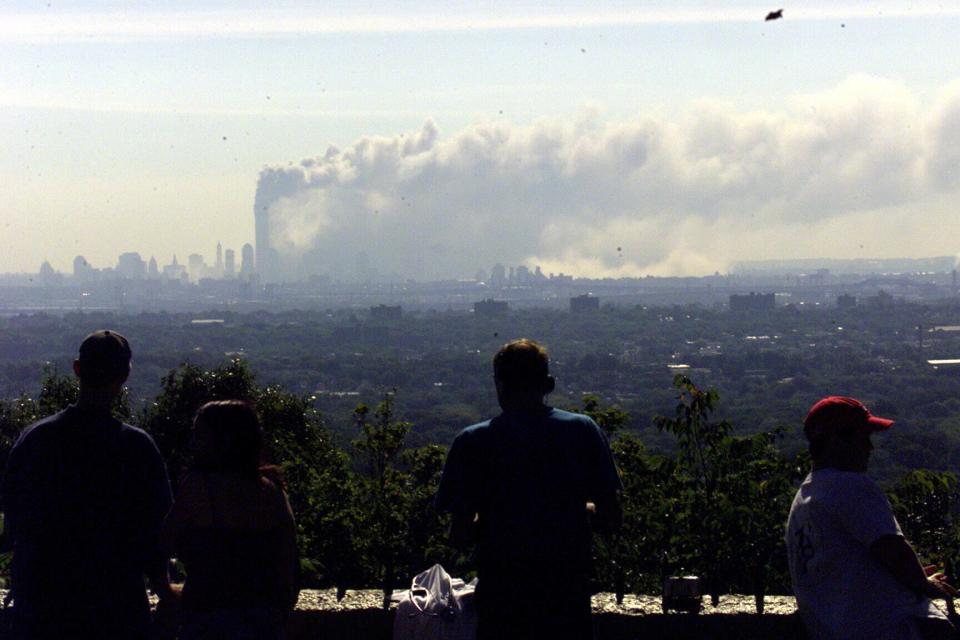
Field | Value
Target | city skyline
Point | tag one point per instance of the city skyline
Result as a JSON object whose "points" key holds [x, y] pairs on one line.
{"points": [[676, 139]]}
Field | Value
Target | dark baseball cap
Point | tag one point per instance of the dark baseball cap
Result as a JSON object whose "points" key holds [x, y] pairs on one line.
{"points": [[840, 413], [104, 355]]}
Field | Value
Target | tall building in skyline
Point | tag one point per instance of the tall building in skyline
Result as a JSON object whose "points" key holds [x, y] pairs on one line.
{"points": [[498, 276], [195, 266], [131, 265], [246, 260], [229, 264], [218, 265], [82, 270], [175, 270]]}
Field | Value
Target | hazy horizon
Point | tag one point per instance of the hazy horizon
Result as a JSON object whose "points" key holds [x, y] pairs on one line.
{"points": [[596, 139]]}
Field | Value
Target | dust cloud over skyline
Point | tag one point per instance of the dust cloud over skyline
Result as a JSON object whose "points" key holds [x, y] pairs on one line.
{"points": [[865, 169]]}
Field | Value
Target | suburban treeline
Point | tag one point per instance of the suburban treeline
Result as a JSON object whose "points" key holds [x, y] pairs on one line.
{"points": [[770, 366], [713, 506]]}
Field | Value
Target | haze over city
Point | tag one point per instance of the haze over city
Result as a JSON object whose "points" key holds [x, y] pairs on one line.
{"points": [[432, 140]]}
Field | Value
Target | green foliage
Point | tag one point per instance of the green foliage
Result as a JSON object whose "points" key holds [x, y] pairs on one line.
{"points": [[426, 538], [715, 505], [630, 560], [169, 418], [15, 414], [611, 419], [926, 504], [320, 484], [396, 530], [755, 488], [730, 498]]}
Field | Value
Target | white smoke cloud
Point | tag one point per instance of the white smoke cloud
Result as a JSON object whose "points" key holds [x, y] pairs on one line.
{"points": [[685, 194]]}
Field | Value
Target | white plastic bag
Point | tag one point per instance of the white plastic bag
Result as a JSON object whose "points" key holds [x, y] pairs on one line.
{"points": [[436, 607]]}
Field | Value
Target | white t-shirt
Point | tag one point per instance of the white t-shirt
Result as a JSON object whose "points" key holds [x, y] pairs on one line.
{"points": [[842, 590]]}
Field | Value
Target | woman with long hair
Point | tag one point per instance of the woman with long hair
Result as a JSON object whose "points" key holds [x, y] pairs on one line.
{"points": [[232, 527]]}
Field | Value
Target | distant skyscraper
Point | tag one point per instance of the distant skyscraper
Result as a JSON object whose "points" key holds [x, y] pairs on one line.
{"points": [[152, 271], [195, 266], [175, 271], [498, 276], [229, 264], [523, 275], [218, 265], [47, 275], [82, 269], [246, 260], [131, 265]]}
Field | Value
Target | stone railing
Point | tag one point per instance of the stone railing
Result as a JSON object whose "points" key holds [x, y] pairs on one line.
{"points": [[359, 616]]}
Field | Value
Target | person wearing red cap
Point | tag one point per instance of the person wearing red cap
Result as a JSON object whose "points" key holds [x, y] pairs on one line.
{"points": [[853, 573], [84, 496]]}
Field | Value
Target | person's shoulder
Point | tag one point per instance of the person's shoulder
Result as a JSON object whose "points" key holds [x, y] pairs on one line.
{"points": [[136, 438], [571, 420], [563, 415], [475, 430], [837, 485], [41, 429], [469, 436], [833, 476]]}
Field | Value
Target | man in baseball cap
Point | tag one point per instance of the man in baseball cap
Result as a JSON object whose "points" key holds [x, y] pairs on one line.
{"points": [[854, 574], [84, 496]]}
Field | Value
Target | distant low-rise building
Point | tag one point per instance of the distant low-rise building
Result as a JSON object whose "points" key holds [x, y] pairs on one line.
{"points": [[584, 304], [752, 303], [846, 301], [882, 300], [490, 307], [386, 312]]}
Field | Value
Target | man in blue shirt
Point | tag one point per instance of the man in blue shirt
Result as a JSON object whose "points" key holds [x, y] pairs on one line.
{"points": [[84, 496], [524, 488]]}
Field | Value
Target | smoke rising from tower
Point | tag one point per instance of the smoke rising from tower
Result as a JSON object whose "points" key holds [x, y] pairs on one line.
{"points": [[681, 195]]}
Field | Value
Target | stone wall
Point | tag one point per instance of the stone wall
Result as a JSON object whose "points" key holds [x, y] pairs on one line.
{"points": [[359, 617]]}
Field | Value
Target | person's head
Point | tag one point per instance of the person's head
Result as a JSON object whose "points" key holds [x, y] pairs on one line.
{"points": [[226, 437], [838, 430], [103, 362], [521, 372]]}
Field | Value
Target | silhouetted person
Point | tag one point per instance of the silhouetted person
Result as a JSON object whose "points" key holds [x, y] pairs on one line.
{"points": [[854, 574], [232, 528], [518, 487], [84, 496]]}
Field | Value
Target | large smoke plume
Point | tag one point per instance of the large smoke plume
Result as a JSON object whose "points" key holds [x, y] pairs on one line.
{"points": [[682, 194]]}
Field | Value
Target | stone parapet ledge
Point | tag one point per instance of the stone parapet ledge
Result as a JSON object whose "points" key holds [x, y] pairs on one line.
{"points": [[603, 603], [359, 616]]}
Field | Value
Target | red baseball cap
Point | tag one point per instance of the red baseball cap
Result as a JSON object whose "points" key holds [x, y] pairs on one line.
{"points": [[840, 412]]}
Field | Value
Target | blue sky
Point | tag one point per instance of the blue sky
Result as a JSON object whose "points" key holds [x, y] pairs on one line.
{"points": [[154, 119]]}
